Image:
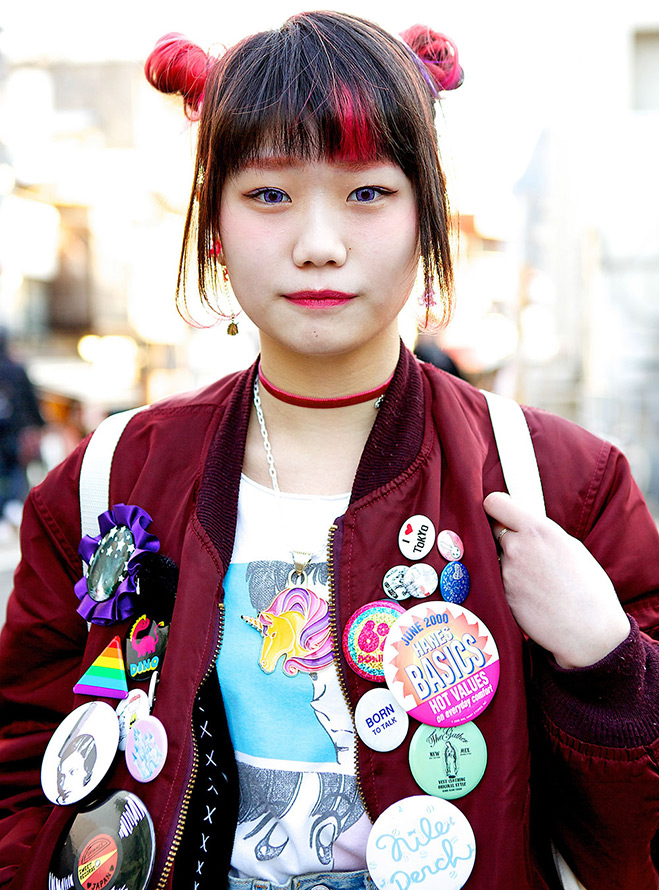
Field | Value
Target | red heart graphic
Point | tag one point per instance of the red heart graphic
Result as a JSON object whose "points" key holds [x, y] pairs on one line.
{"points": [[408, 528]]}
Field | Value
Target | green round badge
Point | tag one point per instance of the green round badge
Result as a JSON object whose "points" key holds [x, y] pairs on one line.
{"points": [[448, 762]]}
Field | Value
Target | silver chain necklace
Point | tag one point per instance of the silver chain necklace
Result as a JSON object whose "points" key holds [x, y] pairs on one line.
{"points": [[266, 441], [301, 558]]}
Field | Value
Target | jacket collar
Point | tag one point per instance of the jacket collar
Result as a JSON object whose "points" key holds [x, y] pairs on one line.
{"points": [[392, 445]]}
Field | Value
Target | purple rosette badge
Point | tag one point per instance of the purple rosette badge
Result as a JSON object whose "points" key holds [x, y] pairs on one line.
{"points": [[107, 593]]}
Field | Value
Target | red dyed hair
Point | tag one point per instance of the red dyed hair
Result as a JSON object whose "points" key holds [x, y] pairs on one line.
{"points": [[178, 66], [326, 84], [438, 53]]}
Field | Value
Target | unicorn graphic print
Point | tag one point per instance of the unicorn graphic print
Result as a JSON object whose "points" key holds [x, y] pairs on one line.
{"points": [[292, 732]]}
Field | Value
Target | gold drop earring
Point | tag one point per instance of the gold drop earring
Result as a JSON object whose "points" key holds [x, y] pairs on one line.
{"points": [[232, 328], [225, 285]]}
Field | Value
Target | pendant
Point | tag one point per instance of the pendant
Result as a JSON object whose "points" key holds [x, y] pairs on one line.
{"points": [[295, 626]]}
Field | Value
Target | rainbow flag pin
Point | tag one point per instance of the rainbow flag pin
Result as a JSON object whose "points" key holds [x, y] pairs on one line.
{"points": [[107, 675]]}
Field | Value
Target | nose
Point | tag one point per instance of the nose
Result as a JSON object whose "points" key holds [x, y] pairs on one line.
{"points": [[320, 240]]}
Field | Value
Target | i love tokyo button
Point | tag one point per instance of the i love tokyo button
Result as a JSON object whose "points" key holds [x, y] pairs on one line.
{"points": [[448, 761], [441, 663], [422, 842], [416, 537]]}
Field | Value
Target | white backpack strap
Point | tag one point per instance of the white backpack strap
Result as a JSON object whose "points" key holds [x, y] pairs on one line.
{"points": [[520, 471], [95, 470], [568, 879], [516, 453]]}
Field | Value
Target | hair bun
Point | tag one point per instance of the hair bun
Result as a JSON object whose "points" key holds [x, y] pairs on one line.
{"points": [[439, 55], [178, 66]]}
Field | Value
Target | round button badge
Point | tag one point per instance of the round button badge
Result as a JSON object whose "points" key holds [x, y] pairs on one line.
{"points": [[422, 842], [110, 844], [450, 545], [80, 753], [441, 663], [364, 636], [454, 583], [146, 749], [448, 762], [416, 537], [393, 583], [419, 580], [381, 722], [129, 711]]}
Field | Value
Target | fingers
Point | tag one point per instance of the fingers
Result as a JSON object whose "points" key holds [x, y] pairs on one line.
{"points": [[509, 513]]}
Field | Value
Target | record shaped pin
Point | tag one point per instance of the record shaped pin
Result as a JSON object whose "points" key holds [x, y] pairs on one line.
{"points": [[441, 663], [145, 647], [80, 753], [111, 844], [422, 842]]}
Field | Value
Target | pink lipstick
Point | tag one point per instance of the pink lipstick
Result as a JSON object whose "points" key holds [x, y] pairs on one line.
{"points": [[319, 299]]}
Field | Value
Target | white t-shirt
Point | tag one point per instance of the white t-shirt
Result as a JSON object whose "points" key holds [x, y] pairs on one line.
{"points": [[291, 729]]}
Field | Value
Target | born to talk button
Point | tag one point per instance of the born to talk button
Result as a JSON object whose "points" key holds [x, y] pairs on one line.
{"points": [[381, 722]]}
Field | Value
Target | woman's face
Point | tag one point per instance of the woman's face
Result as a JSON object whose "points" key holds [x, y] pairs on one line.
{"points": [[71, 775], [322, 255]]}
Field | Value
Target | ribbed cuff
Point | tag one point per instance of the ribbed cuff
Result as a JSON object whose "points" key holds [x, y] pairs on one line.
{"points": [[614, 703]]}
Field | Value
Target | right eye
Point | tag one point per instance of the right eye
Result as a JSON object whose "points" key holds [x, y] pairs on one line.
{"points": [[270, 196]]}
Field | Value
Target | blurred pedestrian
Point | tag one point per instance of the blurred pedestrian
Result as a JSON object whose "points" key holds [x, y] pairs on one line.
{"points": [[20, 433]]}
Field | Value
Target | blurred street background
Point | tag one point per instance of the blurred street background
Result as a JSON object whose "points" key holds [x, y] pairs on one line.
{"points": [[550, 147]]}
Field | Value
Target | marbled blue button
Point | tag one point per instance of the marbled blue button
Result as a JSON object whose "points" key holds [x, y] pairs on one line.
{"points": [[454, 583]]}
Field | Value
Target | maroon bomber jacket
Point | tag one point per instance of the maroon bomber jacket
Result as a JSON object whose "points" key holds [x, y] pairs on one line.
{"points": [[571, 754]]}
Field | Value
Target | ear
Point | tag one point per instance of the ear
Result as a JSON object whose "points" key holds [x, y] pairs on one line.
{"points": [[216, 251]]}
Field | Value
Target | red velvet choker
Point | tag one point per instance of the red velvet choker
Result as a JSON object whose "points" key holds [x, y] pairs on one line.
{"points": [[311, 402]]}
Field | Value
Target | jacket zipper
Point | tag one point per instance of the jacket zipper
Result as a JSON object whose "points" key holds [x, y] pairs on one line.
{"points": [[339, 669], [180, 825]]}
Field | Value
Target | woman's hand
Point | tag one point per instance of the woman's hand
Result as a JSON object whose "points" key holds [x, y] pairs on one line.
{"points": [[559, 594]]}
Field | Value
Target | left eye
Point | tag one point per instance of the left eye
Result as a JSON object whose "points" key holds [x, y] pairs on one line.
{"points": [[366, 194]]}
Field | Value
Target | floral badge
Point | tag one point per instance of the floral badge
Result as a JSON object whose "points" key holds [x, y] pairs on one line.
{"points": [[108, 593]]}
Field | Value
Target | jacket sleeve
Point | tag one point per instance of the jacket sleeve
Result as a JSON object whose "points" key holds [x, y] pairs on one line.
{"points": [[598, 727], [41, 648]]}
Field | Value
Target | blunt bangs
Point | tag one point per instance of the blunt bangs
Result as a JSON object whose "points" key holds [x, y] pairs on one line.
{"points": [[325, 85]]}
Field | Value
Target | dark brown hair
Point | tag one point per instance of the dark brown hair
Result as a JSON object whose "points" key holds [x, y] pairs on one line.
{"points": [[325, 84]]}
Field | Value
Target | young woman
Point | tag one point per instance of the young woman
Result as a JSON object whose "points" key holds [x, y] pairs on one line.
{"points": [[293, 496]]}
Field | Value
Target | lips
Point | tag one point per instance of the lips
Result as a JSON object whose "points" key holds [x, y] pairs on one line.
{"points": [[319, 299]]}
